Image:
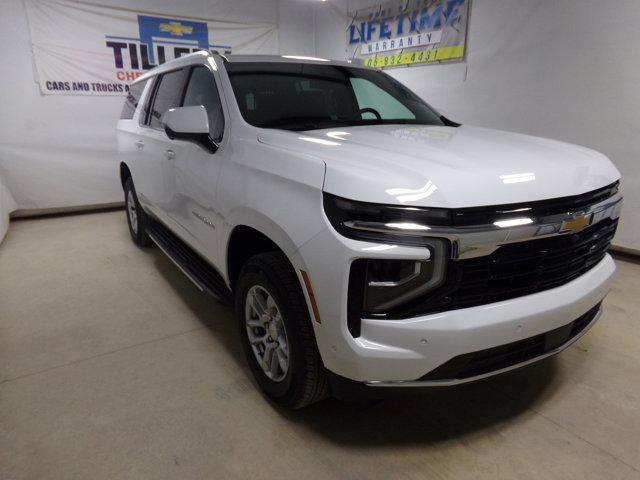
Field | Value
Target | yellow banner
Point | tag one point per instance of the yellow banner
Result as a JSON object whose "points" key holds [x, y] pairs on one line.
{"points": [[419, 56]]}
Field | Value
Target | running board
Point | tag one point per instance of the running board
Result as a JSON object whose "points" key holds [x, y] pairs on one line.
{"points": [[196, 268]]}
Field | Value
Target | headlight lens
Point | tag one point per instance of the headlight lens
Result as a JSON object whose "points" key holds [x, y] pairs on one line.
{"points": [[383, 288], [380, 288], [389, 284]]}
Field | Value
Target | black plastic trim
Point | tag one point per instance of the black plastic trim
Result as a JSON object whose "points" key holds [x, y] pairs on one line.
{"points": [[449, 123], [199, 270], [357, 276], [202, 139]]}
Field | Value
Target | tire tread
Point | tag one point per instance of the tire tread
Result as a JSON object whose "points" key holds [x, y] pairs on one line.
{"points": [[315, 386], [142, 238]]}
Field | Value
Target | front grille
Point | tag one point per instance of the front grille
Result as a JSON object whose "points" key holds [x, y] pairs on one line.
{"points": [[474, 216], [505, 356], [518, 269]]}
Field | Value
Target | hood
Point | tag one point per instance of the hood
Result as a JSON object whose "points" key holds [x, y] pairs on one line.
{"points": [[447, 167]]}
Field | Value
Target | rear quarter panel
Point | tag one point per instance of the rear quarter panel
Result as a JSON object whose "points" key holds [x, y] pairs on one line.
{"points": [[128, 132]]}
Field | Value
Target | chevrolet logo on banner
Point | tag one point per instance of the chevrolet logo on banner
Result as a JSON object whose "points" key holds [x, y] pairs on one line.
{"points": [[176, 28], [576, 224], [189, 33]]}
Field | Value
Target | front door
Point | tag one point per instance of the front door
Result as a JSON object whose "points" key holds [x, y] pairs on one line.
{"points": [[157, 153], [197, 169]]}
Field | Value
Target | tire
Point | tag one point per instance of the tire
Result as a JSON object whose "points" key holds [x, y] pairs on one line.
{"points": [[137, 219], [305, 380]]}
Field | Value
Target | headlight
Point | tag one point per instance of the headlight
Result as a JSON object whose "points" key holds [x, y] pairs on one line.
{"points": [[391, 283], [383, 288], [380, 288], [384, 223]]}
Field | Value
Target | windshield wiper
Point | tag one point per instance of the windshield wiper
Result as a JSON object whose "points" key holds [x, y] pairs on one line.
{"points": [[296, 123], [315, 123]]}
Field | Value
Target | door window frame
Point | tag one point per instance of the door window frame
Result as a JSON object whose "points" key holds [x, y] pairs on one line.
{"points": [[220, 97], [157, 80], [144, 120]]}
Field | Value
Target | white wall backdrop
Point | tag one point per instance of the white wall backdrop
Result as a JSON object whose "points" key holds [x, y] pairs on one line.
{"points": [[297, 30], [59, 151], [562, 69]]}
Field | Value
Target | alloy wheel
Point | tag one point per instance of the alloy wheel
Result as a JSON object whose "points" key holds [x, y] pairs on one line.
{"points": [[266, 333], [131, 210]]}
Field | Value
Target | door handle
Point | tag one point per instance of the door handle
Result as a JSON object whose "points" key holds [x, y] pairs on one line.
{"points": [[170, 154], [140, 144]]}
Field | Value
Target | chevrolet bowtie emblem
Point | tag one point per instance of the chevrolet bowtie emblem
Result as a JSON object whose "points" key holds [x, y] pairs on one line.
{"points": [[576, 224], [176, 28]]}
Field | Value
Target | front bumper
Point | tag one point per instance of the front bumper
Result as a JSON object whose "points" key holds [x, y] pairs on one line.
{"points": [[392, 351], [477, 365]]}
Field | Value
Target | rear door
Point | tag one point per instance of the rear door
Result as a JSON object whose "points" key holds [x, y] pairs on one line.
{"points": [[156, 151], [127, 131]]}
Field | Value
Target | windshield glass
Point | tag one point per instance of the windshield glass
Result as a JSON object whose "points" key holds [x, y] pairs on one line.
{"points": [[308, 96]]}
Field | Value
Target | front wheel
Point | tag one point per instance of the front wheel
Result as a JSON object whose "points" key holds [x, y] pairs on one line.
{"points": [[276, 332]]}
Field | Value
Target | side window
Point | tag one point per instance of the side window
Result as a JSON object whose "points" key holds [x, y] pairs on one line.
{"points": [[370, 95], [202, 90], [132, 100], [144, 118], [168, 95]]}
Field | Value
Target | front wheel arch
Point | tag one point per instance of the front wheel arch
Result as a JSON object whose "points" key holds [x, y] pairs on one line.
{"points": [[244, 243], [125, 173]]}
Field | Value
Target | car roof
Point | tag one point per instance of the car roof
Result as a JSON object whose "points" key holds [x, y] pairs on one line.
{"points": [[288, 59], [199, 58]]}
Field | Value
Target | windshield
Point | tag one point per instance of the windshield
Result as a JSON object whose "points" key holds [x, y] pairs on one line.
{"points": [[308, 96]]}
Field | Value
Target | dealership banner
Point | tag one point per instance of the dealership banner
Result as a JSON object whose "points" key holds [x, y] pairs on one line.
{"points": [[409, 32], [86, 49]]}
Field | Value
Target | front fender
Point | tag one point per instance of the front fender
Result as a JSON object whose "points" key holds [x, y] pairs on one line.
{"points": [[273, 191], [247, 217]]}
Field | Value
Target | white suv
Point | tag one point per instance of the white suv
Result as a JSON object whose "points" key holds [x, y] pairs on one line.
{"points": [[366, 240]]}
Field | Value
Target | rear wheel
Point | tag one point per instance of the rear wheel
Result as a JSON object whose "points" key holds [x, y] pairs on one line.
{"points": [[136, 216], [276, 332]]}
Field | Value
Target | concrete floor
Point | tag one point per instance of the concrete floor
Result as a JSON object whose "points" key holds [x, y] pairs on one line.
{"points": [[112, 365]]}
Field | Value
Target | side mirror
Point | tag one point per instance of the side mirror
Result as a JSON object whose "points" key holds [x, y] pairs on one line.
{"points": [[190, 124]]}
